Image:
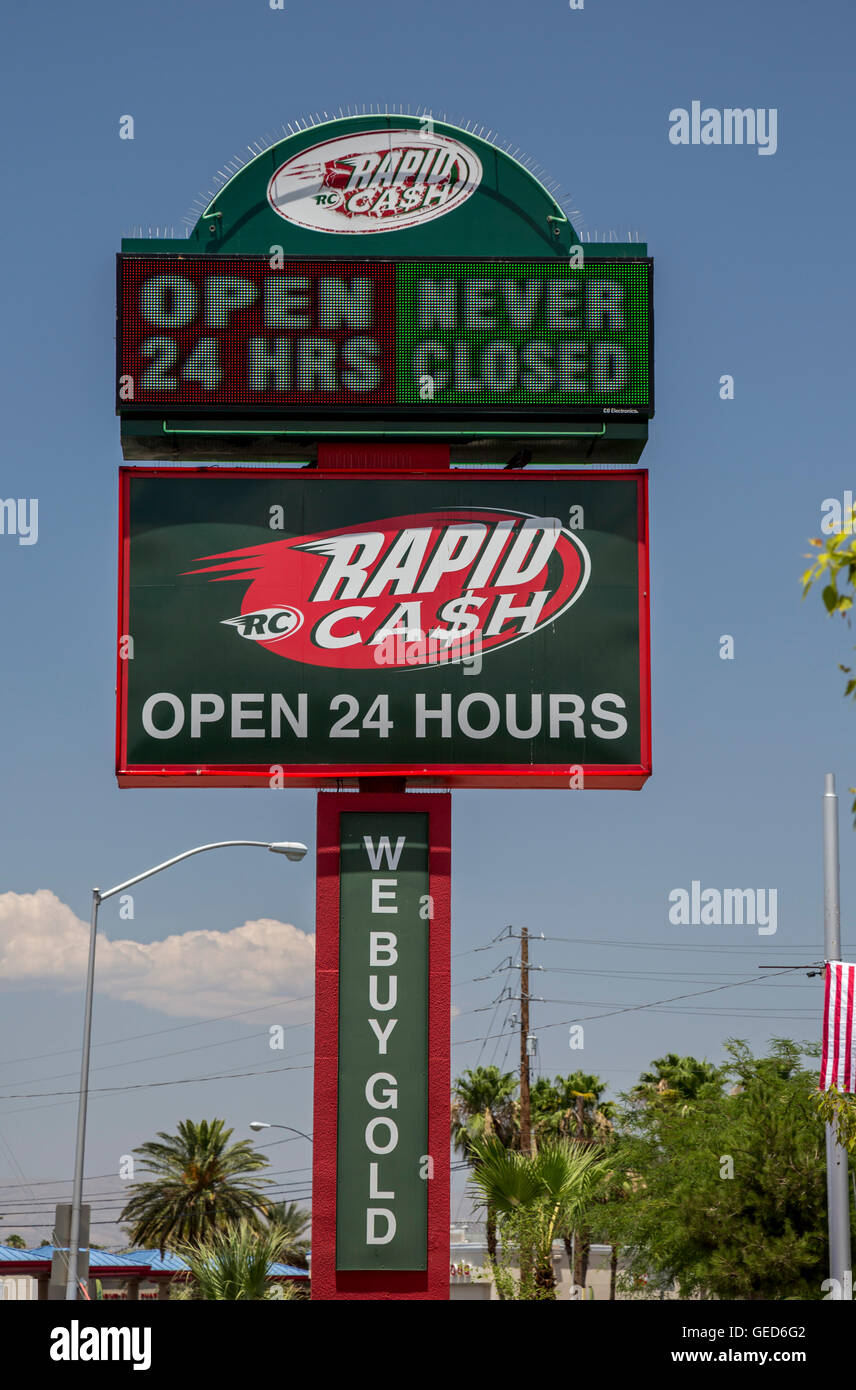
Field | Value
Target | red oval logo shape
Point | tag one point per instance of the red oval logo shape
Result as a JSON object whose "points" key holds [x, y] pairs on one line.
{"points": [[407, 591], [375, 181]]}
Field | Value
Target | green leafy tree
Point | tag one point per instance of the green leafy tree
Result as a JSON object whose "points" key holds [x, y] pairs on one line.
{"points": [[834, 560], [483, 1107], [833, 565], [291, 1223], [534, 1197], [14, 1242], [724, 1193], [201, 1184], [838, 1108], [232, 1264]]}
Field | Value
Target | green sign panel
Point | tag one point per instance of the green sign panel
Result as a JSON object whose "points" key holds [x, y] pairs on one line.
{"points": [[399, 185], [383, 1166], [459, 629], [530, 334]]}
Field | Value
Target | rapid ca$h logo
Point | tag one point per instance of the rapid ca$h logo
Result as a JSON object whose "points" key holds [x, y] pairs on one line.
{"points": [[364, 595], [375, 181]]}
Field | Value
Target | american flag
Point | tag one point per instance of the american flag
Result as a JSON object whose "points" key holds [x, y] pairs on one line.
{"points": [[838, 1064]]}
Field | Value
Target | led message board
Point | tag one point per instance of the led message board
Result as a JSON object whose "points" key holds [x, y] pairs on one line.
{"points": [[283, 627], [226, 335]]}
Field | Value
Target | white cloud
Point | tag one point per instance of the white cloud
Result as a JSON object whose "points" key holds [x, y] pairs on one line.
{"points": [[198, 974]]}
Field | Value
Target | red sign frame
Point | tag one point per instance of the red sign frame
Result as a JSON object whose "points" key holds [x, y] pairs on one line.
{"points": [[338, 776], [328, 1282]]}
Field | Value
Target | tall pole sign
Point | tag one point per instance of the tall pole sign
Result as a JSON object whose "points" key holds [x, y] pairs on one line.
{"points": [[381, 1134], [384, 300]]}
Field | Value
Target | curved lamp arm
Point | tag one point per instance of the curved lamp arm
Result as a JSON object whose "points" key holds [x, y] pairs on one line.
{"points": [[293, 849]]}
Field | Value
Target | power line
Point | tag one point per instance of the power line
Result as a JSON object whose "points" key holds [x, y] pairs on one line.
{"points": [[636, 1008], [674, 946], [615, 1003], [20, 1209], [499, 1036], [157, 1032], [179, 1052], [650, 974], [277, 1173], [147, 1085], [490, 1025]]}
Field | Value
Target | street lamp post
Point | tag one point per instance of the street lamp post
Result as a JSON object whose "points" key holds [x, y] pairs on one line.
{"points": [[293, 850], [263, 1124]]}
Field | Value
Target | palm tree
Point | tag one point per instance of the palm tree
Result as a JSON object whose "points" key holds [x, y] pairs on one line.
{"points": [[290, 1223], [483, 1104], [571, 1107], [675, 1079], [232, 1263], [200, 1186], [483, 1107], [534, 1198]]}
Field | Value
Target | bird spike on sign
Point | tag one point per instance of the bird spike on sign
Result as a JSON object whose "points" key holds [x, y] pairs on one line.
{"points": [[547, 342], [422, 114]]}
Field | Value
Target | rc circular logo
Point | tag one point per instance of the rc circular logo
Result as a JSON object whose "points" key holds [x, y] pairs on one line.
{"points": [[375, 181], [406, 591], [267, 624]]}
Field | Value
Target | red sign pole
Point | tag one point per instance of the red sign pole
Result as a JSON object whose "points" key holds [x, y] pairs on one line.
{"points": [[328, 1282]]}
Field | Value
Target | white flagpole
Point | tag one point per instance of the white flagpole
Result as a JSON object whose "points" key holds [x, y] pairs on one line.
{"points": [[837, 1185]]}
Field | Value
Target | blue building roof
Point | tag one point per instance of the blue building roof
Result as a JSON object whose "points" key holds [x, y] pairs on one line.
{"points": [[98, 1259], [8, 1255], [169, 1263], [157, 1263], [148, 1260]]}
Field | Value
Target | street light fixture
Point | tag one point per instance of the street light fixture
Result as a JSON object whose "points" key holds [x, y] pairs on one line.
{"points": [[293, 850], [263, 1124]]}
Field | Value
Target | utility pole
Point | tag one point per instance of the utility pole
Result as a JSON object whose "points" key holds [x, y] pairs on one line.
{"points": [[837, 1187], [525, 1109]]}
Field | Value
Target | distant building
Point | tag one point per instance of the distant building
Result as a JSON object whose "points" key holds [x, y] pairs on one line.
{"points": [[469, 1276], [135, 1274]]}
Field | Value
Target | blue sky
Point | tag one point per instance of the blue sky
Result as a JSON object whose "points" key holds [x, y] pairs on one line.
{"points": [[751, 280]]}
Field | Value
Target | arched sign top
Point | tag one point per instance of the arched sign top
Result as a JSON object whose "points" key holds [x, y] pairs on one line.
{"points": [[384, 185]]}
